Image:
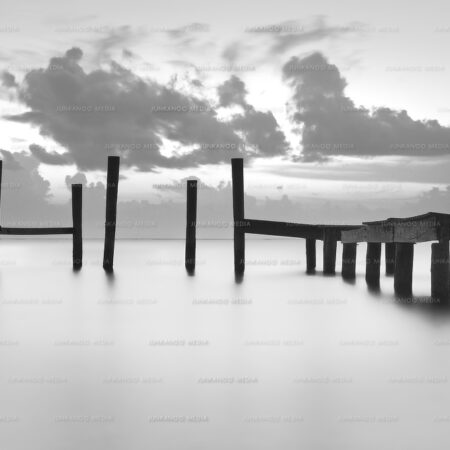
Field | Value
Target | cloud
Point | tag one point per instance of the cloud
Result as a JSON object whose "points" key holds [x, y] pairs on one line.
{"points": [[8, 80], [51, 158], [232, 92], [117, 38], [331, 123], [114, 111], [260, 129]]}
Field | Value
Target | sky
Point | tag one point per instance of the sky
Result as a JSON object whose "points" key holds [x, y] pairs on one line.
{"points": [[339, 109]]}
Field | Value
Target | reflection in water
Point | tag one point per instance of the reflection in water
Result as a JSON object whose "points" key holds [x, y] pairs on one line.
{"points": [[150, 357]]}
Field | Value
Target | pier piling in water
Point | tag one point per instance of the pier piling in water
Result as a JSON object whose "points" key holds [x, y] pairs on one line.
{"points": [[440, 272], [348, 260], [191, 223], [329, 253], [237, 170], [310, 255], [389, 257], [373, 257], [404, 256], [112, 184], [77, 215]]}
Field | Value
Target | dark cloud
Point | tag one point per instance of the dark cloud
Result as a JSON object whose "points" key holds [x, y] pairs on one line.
{"points": [[51, 158], [8, 80], [114, 111], [331, 124], [260, 129], [232, 92]]}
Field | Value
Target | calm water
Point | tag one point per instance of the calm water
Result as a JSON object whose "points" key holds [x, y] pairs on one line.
{"points": [[151, 358]]}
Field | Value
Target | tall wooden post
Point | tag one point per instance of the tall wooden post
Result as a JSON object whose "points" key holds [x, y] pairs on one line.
{"points": [[77, 206], [112, 184], [389, 256], [348, 260], [373, 257], [310, 255], [440, 267], [329, 252], [404, 256], [191, 223], [1, 170], [237, 170]]}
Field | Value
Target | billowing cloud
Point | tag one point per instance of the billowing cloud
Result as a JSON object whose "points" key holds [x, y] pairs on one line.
{"points": [[114, 111], [331, 123], [8, 80], [51, 158], [260, 129]]}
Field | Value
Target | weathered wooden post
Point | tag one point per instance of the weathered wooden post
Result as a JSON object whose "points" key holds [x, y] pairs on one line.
{"points": [[373, 257], [389, 256], [329, 252], [77, 204], [191, 223], [440, 267], [348, 260], [1, 170], [237, 169], [404, 256], [112, 183], [310, 255]]}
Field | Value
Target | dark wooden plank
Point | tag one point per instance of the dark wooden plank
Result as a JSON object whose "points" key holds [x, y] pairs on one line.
{"points": [[77, 214], [286, 229], [35, 231], [111, 211], [237, 170], [191, 223]]}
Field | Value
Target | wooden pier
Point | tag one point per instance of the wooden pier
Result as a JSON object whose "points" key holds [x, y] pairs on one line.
{"points": [[398, 234], [75, 230]]}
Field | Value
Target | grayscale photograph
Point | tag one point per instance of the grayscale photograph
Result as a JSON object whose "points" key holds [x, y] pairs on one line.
{"points": [[224, 225]]}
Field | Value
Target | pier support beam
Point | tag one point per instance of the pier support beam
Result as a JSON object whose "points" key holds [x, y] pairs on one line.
{"points": [[440, 268], [77, 203], [237, 170], [348, 260], [191, 223], [310, 255], [373, 258], [112, 184], [389, 256], [329, 253], [404, 256]]}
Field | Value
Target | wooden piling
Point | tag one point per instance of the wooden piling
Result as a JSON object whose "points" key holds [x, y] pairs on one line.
{"points": [[329, 253], [310, 255], [1, 170], [191, 223], [404, 256], [237, 169], [111, 211], [389, 256], [373, 257], [77, 204], [440, 268], [348, 260]]}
